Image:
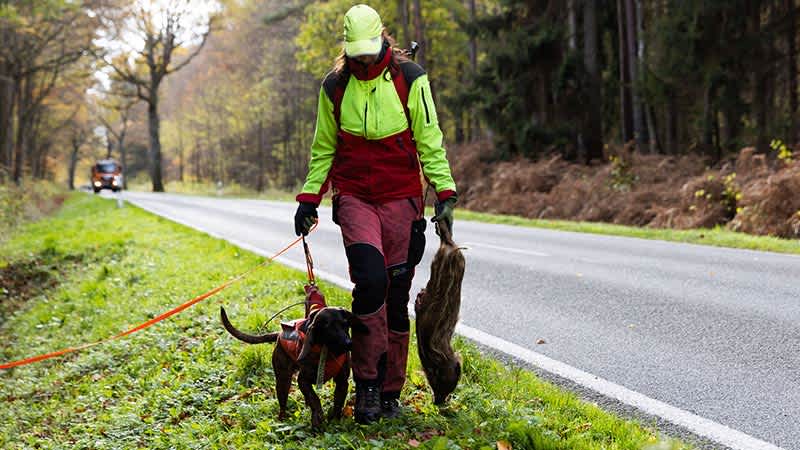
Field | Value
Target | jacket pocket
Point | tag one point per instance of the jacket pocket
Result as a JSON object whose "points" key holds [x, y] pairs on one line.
{"points": [[335, 212], [416, 244]]}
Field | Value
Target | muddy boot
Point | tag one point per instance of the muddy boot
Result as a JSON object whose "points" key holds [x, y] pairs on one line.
{"points": [[368, 402], [390, 405]]}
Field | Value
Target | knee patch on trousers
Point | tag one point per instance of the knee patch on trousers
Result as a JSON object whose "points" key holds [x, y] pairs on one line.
{"points": [[397, 298], [368, 273]]}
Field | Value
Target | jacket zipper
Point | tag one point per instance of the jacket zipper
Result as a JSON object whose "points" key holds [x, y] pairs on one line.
{"points": [[365, 118], [424, 103]]}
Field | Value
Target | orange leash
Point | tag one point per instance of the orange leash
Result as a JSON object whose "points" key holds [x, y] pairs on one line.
{"points": [[154, 320]]}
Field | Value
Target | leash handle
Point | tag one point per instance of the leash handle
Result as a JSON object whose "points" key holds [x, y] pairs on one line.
{"points": [[309, 263]]}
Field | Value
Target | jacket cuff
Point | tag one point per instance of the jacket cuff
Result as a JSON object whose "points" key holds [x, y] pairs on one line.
{"points": [[305, 197], [444, 195]]}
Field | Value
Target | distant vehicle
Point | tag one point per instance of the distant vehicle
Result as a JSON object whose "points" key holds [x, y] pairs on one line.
{"points": [[106, 174]]}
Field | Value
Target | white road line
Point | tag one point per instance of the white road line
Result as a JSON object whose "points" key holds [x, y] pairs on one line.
{"points": [[504, 249], [701, 426]]}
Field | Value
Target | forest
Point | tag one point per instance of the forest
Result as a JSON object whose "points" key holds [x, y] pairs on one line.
{"points": [[225, 91]]}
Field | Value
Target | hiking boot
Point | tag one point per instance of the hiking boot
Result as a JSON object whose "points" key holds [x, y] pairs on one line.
{"points": [[390, 408], [368, 402]]}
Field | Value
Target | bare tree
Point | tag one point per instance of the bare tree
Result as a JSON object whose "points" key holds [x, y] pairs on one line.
{"points": [[171, 34]]}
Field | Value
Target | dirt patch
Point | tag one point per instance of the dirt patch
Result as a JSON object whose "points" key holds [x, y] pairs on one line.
{"points": [[753, 193], [23, 280]]}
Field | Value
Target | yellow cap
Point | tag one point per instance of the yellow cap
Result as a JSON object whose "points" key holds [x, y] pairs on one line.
{"points": [[362, 31]]}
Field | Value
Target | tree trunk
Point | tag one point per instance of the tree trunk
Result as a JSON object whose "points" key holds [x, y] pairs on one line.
{"points": [[180, 153], [672, 126], [791, 37], [759, 78], [7, 100], [73, 163], [633, 72], [473, 124], [572, 24], [153, 123], [123, 156], [655, 146], [41, 165], [419, 35], [402, 16], [593, 130], [626, 120], [260, 152], [640, 71], [109, 146], [708, 117], [23, 89]]}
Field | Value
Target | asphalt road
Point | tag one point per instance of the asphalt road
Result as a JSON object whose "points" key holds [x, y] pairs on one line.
{"points": [[712, 331]]}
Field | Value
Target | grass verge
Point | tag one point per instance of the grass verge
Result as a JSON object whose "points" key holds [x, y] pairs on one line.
{"points": [[185, 383], [26, 202], [718, 237]]}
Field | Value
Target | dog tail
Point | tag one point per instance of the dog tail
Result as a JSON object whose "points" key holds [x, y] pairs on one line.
{"points": [[244, 337]]}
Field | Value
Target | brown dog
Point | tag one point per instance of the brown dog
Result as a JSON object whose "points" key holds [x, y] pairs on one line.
{"points": [[299, 346]]}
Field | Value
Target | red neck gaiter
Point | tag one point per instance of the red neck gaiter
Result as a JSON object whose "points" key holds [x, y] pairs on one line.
{"points": [[371, 71]]}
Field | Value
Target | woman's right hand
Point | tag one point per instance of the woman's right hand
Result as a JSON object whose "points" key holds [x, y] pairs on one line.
{"points": [[304, 218]]}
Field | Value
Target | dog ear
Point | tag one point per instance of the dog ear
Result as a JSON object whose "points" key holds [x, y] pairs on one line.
{"points": [[309, 340], [355, 323]]}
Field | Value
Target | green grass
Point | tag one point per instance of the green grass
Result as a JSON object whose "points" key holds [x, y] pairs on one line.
{"points": [[184, 383]]}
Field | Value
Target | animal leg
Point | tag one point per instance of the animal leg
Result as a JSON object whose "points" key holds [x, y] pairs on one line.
{"points": [[340, 393], [281, 365], [312, 400]]}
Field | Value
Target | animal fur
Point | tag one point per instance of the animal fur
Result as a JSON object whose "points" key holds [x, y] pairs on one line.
{"points": [[327, 327], [437, 308]]}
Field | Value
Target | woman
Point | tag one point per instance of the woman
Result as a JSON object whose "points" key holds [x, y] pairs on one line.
{"points": [[376, 124]]}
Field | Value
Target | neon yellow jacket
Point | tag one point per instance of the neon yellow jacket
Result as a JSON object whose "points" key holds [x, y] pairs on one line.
{"points": [[372, 154]]}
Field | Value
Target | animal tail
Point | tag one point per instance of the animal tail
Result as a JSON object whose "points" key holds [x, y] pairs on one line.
{"points": [[244, 337]]}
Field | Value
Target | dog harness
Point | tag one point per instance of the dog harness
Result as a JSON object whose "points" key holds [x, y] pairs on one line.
{"points": [[291, 339], [293, 334]]}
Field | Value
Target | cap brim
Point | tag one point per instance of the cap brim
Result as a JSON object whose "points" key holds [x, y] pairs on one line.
{"points": [[363, 47]]}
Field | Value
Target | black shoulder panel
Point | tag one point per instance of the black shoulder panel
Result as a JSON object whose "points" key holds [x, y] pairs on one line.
{"points": [[411, 71], [329, 84]]}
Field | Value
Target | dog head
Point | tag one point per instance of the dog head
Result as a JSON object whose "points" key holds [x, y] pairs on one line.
{"points": [[330, 327]]}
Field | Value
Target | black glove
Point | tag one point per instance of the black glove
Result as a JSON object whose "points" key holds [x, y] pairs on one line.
{"points": [[304, 218], [444, 211]]}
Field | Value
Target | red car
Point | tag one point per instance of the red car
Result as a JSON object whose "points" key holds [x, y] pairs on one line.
{"points": [[106, 174]]}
